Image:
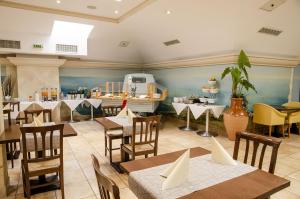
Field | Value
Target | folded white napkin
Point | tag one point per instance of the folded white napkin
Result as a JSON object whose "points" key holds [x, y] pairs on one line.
{"points": [[123, 112], [219, 154], [178, 172], [39, 120], [131, 115], [6, 107]]}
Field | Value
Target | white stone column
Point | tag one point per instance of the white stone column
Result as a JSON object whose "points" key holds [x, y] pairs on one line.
{"points": [[3, 163], [36, 73]]}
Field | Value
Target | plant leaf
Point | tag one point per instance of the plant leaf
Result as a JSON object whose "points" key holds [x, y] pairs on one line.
{"points": [[226, 72], [243, 60]]}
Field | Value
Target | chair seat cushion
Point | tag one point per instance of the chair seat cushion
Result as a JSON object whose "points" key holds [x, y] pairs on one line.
{"points": [[114, 132], [140, 147], [36, 166]]}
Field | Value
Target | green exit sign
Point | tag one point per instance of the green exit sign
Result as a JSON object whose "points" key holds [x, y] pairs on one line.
{"points": [[38, 46]]}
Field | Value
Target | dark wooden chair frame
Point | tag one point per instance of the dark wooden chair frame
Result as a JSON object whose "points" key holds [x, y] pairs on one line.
{"points": [[108, 138], [145, 136], [37, 112], [106, 186], [41, 156], [108, 111], [257, 140]]}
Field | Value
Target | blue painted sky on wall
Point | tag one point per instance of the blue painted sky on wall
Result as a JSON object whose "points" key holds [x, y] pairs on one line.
{"points": [[272, 83]]}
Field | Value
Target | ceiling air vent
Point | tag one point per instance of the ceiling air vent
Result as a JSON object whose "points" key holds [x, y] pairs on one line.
{"points": [[66, 48], [272, 4], [172, 42], [124, 43], [10, 44], [270, 31]]}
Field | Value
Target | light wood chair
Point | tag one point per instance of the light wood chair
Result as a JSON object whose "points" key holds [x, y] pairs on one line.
{"points": [[107, 187], [29, 114], [257, 140], [144, 140], [109, 136], [266, 115], [45, 158]]}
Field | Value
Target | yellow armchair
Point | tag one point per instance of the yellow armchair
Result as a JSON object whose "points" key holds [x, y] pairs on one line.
{"points": [[267, 115]]}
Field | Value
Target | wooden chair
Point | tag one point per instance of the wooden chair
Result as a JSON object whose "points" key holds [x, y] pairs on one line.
{"points": [[257, 140], [266, 115], [46, 158], [109, 136], [143, 140], [32, 113], [107, 187], [109, 111]]}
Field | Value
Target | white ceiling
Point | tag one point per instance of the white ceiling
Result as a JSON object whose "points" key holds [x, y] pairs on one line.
{"points": [[104, 8], [204, 27]]}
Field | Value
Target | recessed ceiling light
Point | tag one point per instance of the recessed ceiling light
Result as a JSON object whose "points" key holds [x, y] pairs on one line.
{"points": [[168, 12], [118, 0], [58, 1], [116, 12]]}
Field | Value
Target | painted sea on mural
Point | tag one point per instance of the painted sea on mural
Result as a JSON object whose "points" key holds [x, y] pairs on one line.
{"points": [[188, 82]]}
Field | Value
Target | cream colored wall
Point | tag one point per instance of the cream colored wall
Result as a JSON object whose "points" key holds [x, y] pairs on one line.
{"points": [[33, 78]]}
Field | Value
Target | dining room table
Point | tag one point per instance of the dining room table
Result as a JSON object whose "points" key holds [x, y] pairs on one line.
{"points": [[12, 135], [144, 178]]}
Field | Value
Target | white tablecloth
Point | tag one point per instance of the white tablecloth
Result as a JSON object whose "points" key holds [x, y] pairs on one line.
{"points": [[203, 173], [72, 104], [179, 107], [199, 109], [48, 105], [95, 102], [127, 127]]}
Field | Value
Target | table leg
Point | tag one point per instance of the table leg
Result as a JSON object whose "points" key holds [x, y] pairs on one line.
{"points": [[71, 116], [187, 127], [9, 118], [206, 133], [92, 113], [116, 165]]}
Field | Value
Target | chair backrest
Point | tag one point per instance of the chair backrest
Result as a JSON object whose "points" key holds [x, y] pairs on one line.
{"points": [[267, 115], [292, 104], [46, 141], [107, 187], [257, 140], [47, 115], [145, 130], [111, 110]]}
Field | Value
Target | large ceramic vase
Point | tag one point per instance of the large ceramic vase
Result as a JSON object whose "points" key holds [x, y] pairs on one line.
{"points": [[235, 118]]}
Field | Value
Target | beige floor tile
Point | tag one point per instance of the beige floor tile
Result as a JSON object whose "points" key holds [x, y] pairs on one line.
{"points": [[77, 190], [80, 180]]}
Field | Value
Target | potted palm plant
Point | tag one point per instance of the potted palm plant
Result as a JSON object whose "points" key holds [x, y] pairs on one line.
{"points": [[8, 85], [236, 117]]}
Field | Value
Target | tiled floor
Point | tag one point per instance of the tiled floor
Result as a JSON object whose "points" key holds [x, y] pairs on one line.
{"points": [[80, 181]]}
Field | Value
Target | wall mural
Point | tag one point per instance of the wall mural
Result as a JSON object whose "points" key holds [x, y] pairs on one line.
{"points": [[272, 84], [296, 85], [73, 78]]}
